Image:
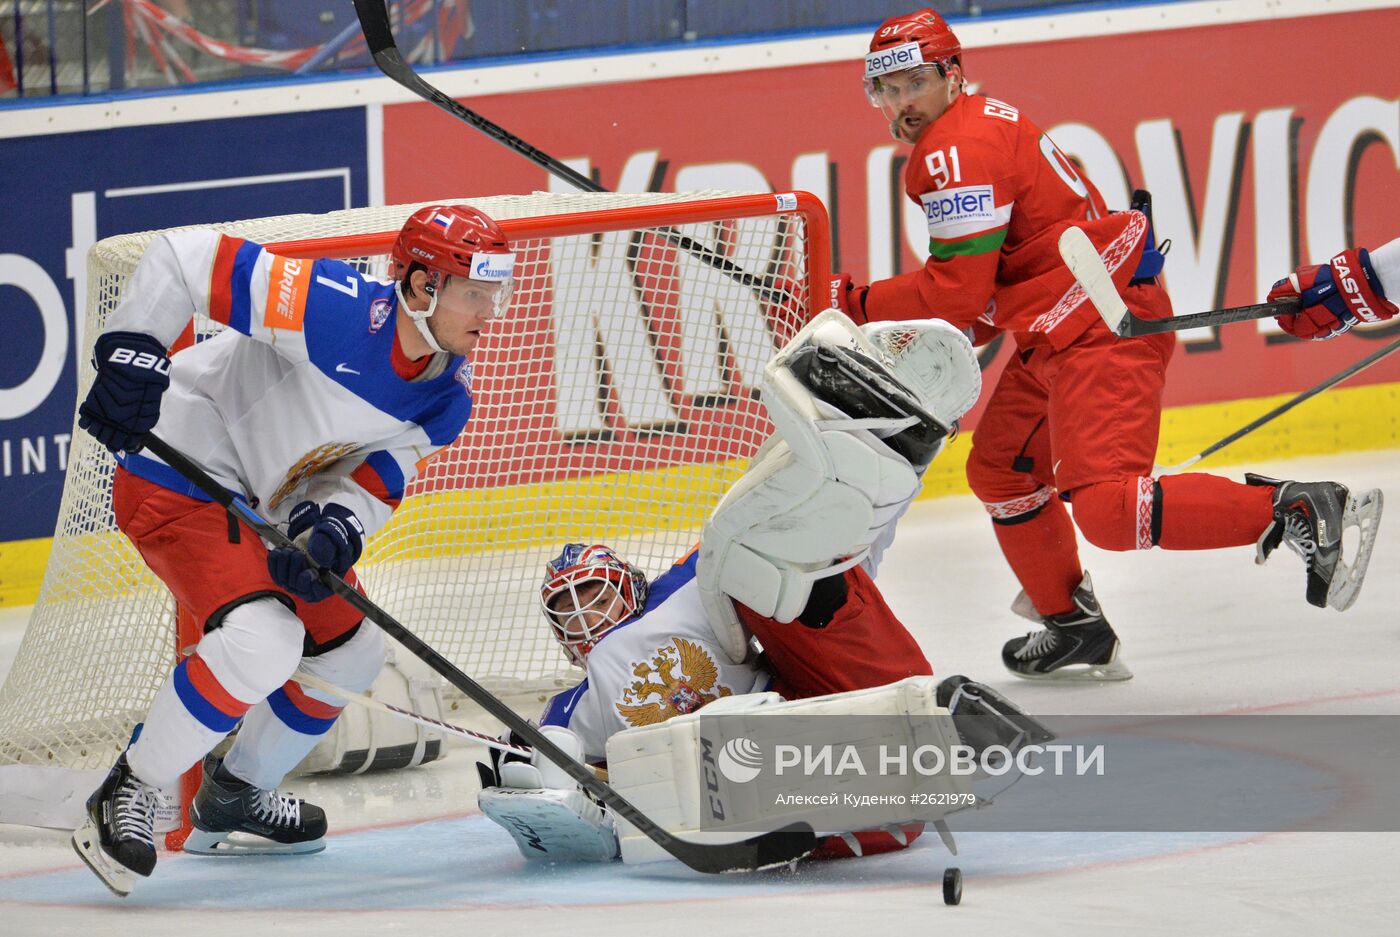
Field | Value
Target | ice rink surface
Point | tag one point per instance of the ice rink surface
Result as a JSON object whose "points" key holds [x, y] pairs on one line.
{"points": [[1204, 632]]}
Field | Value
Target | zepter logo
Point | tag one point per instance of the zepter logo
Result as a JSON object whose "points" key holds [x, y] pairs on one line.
{"points": [[894, 59]]}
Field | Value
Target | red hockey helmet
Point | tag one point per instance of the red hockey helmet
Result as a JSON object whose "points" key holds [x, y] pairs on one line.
{"points": [[919, 40], [457, 240], [579, 616], [924, 29], [452, 240]]}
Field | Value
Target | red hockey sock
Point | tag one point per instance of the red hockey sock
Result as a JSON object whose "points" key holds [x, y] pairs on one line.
{"points": [[1044, 556], [1202, 512]]}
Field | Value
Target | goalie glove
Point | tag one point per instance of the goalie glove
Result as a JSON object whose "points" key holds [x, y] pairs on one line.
{"points": [[543, 809]]}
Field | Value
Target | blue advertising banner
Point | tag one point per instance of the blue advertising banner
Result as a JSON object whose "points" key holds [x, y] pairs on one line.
{"points": [[64, 192]]}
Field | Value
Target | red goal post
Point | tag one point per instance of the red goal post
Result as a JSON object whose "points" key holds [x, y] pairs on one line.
{"points": [[616, 402]]}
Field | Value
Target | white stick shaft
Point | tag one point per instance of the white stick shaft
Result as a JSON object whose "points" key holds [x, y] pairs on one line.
{"points": [[1083, 260], [369, 702], [1161, 470]]}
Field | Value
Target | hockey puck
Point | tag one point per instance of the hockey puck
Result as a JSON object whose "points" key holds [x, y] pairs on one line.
{"points": [[952, 886]]}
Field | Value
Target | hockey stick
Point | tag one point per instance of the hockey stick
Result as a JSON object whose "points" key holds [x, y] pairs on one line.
{"points": [[374, 21], [1287, 405], [768, 849], [369, 702], [1084, 262]]}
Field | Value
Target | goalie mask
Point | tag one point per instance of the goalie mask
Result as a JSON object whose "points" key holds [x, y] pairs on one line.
{"points": [[588, 591], [452, 240]]}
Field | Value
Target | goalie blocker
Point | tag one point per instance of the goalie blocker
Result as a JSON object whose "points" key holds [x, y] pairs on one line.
{"points": [[704, 782], [860, 413]]}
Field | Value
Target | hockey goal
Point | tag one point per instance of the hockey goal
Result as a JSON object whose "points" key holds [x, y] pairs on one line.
{"points": [[615, 403]]}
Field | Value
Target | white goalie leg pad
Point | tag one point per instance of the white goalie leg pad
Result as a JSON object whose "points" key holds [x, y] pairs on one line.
{"points": [[816, 498], [780, 527], [364, 739], [682, 773], [543, 809]]}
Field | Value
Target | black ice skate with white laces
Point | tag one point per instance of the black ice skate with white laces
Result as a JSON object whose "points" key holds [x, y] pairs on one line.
{"points": [[1310, 518], [117, 840], [1077, 646], [232, 817]]}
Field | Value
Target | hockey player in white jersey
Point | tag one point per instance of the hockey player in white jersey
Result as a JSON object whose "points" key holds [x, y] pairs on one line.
{"points": [[316, 405], [788, 558]]}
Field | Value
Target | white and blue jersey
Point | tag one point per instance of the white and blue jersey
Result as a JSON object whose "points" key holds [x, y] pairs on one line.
{"points": [[298, 397], [663, 663]]}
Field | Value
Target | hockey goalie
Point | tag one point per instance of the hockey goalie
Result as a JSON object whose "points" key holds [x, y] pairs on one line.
{"points": [[775, 612]]}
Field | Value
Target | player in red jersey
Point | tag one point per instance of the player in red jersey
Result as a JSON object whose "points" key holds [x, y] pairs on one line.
{"points": [[1074, 417]]}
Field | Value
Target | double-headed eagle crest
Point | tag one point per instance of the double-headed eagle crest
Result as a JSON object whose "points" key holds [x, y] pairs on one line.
{"points": [[696, 684], [309, 465]]}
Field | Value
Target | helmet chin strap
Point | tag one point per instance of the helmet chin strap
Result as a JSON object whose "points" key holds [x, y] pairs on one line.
{"points": [[420, 319]]}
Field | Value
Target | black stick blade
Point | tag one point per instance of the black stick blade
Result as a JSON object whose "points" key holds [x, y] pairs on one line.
{"points": [[770, 850]]}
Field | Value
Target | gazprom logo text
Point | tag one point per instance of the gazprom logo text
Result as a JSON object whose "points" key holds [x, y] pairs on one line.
{"points": [[956, 206], [492, 267], [893, 60]]}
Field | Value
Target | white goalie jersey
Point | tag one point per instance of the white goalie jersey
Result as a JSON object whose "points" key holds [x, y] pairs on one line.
{"points": [[666, 662]]}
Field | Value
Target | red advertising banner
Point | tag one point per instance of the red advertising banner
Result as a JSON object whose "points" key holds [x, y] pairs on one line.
{"points": [[1264, 144]]}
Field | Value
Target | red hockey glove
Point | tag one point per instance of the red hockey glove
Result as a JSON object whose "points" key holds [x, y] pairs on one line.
{"points": [[1335, 296], [849, 298], [980, 332]]}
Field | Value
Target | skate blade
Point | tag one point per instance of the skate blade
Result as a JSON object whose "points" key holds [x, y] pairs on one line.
{"points": [[87, 844], [1113, 671], [204, 843], [1364, 513]]}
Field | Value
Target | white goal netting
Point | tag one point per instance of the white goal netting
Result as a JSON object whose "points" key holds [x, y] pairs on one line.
{"points": [[615, 403]]}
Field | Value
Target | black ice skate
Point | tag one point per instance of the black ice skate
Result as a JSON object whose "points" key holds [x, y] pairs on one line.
{"points": [[1310, 519], [984, 718], [232, 817], [117, 840], [1076, 646]]}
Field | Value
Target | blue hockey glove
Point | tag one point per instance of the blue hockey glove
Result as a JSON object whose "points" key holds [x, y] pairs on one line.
{"points": [[333, 537], [123, 404]]}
